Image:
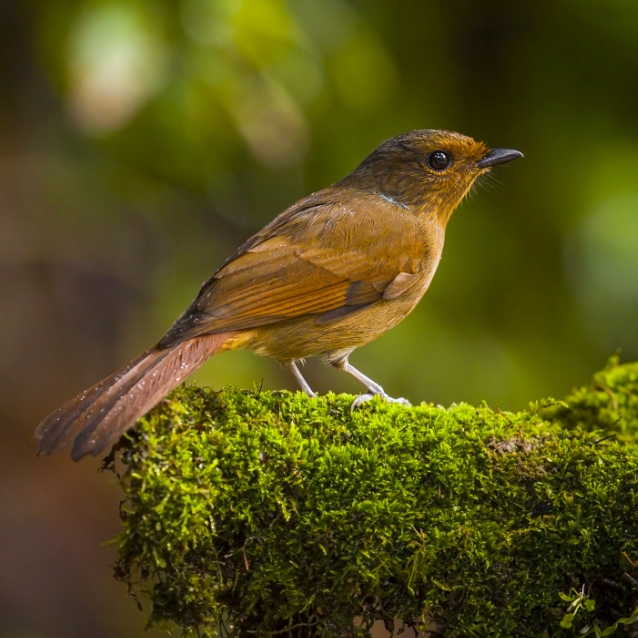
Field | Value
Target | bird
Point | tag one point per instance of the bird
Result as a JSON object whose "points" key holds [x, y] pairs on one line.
{"points": [[329, 274]]}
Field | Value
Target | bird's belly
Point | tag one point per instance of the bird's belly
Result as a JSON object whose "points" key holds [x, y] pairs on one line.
{"points": [[303, 337]]}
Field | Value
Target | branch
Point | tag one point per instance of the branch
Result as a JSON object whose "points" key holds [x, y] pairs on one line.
{"points": [[268, 513]]}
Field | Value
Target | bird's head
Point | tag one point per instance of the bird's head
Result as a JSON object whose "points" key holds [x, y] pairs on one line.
{"points": [[428, 171]]}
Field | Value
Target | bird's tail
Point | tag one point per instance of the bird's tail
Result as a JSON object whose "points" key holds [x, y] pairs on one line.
{"points": [[99, 416]]}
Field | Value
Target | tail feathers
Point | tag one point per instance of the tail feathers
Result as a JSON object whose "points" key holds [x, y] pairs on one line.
{"points": [[99, 416]]}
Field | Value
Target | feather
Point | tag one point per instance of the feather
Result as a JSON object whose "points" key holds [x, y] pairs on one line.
{"points": [[100, 415]]}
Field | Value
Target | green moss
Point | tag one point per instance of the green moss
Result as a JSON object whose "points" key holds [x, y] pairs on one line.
{"points": [[268, 513]]}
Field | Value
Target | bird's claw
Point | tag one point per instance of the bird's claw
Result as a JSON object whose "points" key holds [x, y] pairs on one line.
{"points": [[362, 398]]}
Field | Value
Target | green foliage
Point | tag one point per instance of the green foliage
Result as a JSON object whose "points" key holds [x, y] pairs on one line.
{"points": [[609, 402], [580, 601], [269, 513]]}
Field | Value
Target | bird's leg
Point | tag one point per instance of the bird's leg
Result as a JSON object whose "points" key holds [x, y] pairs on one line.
{"points": [[292, 365], [373, 387]]}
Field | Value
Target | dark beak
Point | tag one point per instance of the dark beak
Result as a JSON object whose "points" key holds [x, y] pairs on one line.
{"points": [[499, 156]]}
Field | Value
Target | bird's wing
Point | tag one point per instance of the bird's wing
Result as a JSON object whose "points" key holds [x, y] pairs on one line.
{"points": [[326, 259]]}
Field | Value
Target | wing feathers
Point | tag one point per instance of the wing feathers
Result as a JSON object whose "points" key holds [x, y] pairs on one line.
{"points": [[338, 313], [401, 283], [323, 260]]}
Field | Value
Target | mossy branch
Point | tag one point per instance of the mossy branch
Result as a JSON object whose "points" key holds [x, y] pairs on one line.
{"points": [[268, 513]]}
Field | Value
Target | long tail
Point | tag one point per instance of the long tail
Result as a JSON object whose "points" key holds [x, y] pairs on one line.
{"points": [[99, 416]]}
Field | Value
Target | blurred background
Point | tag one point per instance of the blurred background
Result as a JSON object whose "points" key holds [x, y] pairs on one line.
{"points": [[142, 140]]}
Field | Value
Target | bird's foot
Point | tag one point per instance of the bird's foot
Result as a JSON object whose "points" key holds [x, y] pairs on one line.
{"points": [[362, 398]]}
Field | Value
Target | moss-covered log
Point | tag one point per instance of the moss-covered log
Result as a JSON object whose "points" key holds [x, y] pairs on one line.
{"points": [[268, 513]]}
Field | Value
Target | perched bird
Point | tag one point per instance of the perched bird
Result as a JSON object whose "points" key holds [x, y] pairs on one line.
{"points": [[329, 274]]}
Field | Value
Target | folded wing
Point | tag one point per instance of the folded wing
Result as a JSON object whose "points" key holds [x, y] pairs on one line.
{"points": [[327, 260]]}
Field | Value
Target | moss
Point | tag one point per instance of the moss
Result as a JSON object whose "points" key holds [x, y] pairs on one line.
{"points": [[268, 513]]}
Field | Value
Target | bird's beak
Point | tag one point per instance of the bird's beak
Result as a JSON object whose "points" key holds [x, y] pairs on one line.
{"points": [[498, 156]]}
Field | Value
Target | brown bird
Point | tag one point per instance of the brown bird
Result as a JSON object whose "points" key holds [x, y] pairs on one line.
{"points": [[329, 274]]}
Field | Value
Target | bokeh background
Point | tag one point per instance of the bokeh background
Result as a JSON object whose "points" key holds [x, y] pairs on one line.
{"points": [[142, 140]]}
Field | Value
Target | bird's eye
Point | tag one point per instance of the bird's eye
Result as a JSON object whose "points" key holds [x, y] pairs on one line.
{"points": [[439, 160]]}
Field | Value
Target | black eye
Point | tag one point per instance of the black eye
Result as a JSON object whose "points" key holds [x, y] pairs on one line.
{"points": [[439, 160]]}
